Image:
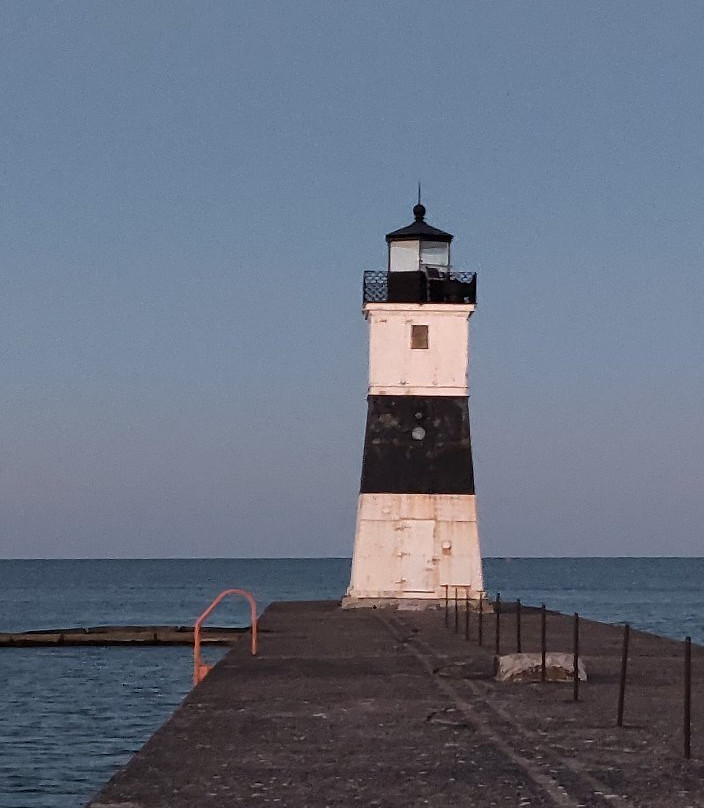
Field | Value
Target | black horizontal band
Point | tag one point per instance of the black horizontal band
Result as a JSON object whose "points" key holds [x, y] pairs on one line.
{"points": [[417, 445]]}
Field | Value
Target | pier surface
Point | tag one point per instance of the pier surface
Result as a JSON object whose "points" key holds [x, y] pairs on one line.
{"points": [[393, 709]]}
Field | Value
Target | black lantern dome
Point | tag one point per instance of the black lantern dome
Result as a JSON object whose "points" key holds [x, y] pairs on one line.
{"points": [[419, 230]]}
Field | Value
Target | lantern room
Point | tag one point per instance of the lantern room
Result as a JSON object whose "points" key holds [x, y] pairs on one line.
{"points": [[418, 245], [419, 268]]}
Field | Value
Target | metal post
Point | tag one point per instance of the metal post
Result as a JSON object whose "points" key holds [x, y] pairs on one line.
{"points": [[457, 616], [687, 697], [575, 658], [622, 683], [543, 644], [480, 622], [497, 636], [466, 614], [447, 606], [518, 626]]}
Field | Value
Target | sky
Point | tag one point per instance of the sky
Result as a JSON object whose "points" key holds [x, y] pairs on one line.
{"points": [[190, 192]]}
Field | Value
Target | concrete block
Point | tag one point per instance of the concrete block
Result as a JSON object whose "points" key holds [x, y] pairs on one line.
{"points": [[559, 667]]}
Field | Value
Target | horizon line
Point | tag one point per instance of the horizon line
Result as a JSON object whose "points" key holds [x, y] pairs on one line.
{"points": [[329, 558]]}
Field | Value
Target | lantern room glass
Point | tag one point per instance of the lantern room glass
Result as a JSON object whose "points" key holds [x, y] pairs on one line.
{"points": [[404, 256], [435, 253]]}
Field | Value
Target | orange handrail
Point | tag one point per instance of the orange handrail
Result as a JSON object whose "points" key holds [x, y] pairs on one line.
{"points": [[200, 669]]}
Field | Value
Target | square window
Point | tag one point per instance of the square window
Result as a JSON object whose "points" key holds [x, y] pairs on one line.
{"points": [[419, 336]]}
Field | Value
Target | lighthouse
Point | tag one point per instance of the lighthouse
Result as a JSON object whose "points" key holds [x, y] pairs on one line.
{"points": [[416, 537]]}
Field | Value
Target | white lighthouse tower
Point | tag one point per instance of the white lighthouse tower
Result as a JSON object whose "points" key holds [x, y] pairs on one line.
{"points": [[416, 527]]}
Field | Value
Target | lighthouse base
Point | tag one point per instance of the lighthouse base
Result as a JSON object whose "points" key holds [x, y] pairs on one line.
{"points": [[415, 549], [409, 604]]}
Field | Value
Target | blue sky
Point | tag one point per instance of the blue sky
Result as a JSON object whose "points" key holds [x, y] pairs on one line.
{"points": [[191, 191]]}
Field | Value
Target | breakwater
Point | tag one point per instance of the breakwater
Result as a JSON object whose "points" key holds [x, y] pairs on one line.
{"points": [[74, 715], [385, 708], [118, 635]]}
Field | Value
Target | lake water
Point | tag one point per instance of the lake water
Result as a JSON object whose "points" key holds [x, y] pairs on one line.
{"points": [[69, 717]]}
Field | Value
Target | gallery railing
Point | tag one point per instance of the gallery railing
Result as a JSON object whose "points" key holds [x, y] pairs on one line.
{"points": [[431, 285]]}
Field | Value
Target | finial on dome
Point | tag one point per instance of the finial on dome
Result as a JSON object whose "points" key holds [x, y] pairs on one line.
{"points": [[420, 229], [419, 209]]}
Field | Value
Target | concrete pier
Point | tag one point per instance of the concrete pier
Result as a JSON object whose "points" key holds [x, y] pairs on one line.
{"points": [[392, 709]]}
